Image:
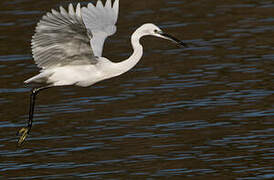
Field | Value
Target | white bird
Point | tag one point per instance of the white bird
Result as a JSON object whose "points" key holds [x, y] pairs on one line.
{"points": [[68, 45]]}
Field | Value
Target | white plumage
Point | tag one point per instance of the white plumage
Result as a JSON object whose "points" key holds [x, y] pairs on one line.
{"points": [[68, 45]]}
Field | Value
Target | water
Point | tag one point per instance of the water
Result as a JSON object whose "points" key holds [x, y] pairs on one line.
{"points": [[196, 113]]}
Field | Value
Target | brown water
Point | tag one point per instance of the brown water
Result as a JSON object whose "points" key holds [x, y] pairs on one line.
{"points": [[205, 112]]}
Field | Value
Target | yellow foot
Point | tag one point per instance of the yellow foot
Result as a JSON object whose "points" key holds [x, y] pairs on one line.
{"points": [[23, 132]]}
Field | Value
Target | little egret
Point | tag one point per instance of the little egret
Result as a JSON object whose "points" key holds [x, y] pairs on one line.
{"points": [[68, 45]]}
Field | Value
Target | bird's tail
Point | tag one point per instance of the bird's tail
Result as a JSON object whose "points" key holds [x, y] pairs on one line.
{"points": [[40, 78]]}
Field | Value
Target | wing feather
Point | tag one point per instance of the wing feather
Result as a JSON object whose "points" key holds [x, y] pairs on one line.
{"points": [[99, 4], [61, 38], [90, 6], [108, 4]]}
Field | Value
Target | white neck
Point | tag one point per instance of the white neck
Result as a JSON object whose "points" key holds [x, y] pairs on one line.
{"points": [[129, 63]]}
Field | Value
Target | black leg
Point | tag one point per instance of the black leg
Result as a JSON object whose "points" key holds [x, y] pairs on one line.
{"points": [[26, 130]]}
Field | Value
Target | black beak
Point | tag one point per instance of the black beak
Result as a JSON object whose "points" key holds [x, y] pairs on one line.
{"points": [[167, 36]]}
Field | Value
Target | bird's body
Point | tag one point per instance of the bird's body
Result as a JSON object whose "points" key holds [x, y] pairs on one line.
{"points": [[84, 74], [68, 46], [80, 75]]}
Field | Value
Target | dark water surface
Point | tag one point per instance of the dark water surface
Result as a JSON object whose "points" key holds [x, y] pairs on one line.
{"points": [[205, 112]]}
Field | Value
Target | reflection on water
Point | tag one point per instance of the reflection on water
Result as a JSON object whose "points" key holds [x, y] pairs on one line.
{"points": [[204, 111]]}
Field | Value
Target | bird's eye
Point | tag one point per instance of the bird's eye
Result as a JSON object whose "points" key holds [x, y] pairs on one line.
{"points": [[156, 31]]}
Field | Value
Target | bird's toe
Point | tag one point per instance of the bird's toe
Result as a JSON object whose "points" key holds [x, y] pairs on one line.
{"points": [[23, 132]]}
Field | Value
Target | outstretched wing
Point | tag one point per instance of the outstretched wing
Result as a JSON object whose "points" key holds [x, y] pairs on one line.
{"points": [[100, 20], [61, 38]]}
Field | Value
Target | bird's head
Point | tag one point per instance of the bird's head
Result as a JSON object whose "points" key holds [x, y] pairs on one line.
{"points": [[153, 30]]}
